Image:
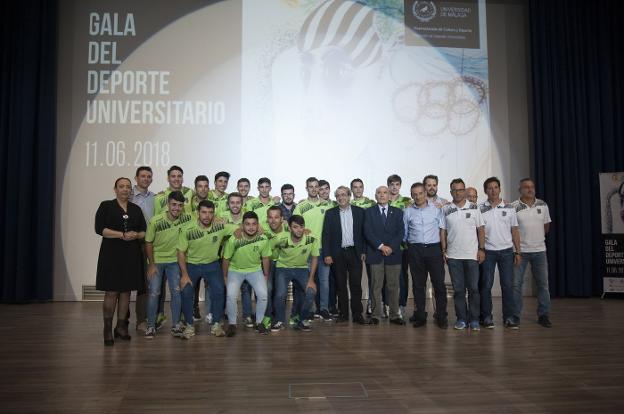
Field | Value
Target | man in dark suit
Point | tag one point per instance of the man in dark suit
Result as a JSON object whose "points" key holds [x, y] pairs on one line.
{"points": [[343, 250], [383, 231]]}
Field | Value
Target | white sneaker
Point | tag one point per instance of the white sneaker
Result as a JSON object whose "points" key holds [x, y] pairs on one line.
{"points": [[209, 319], [189, 332]]}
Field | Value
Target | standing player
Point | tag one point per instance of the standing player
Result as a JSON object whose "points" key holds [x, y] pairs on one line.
{"points": [[247, 258]]}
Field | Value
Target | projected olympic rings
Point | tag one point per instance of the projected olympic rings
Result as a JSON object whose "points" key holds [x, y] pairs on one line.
{"points": [[437, 106]]}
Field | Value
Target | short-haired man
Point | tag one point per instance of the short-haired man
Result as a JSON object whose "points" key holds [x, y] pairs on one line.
{"points": [[501, 238], [472, 195], [202, 186], [383, 231], [313, 211], [198, 257], [323, 193], [243, 185], [201, 193], [431, 187], [161, 240], [343, 250], [175, 178], [144, 198], [534, 222], [359, 200], [247, 258], [234, 212], [288, 201], [218, 196], [394, 183], [463, 241], [261, 204], [275, 226], [423, 225], [294, 250]]}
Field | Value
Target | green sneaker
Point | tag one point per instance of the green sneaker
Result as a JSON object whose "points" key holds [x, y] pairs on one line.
{"points": [[160, 320], [266, 321], [294, 320]]}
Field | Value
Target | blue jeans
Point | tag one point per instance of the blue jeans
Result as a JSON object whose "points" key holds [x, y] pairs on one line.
{"points": [[505, 261], [257, 282], [172, 272], [270, 283], [539, 268], [300, 278], [465, 276], [245, 291], [322, 282], [213, 283]]}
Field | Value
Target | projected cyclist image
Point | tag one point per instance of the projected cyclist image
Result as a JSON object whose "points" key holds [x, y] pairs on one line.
{"points": [[338, 75]]}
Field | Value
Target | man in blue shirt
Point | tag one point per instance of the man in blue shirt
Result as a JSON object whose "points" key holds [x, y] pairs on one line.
{"points": [[144, 198], [423, 221]]}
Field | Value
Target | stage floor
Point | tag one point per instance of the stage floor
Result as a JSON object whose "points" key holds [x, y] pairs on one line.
{"points": [[53, 360]]}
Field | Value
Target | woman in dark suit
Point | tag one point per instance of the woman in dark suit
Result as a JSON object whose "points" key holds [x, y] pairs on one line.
{"points": [[120, 266]]}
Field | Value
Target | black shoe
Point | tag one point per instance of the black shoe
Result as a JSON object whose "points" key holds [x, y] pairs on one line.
{"points": [[488, 324], [544, 321], [231, 331], [442, 323], [373, 321], [360, 320], [397, 321], [334, 312], [419, 322], [121, 330], [303, 327], [261, 329], [196, 315], [414, 317], [509, 324], [325, 316]]}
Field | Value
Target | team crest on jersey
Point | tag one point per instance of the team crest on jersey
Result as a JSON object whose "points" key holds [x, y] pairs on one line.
{"points": [[215, 238], [504, 213], [322, 211], [467, 215], [256, 248], [539, 211], [304, 251]]}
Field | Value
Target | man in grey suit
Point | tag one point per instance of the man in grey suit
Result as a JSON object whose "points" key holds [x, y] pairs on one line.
{"points": [[383, 231]]}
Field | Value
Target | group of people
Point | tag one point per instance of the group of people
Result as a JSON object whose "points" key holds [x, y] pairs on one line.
{"points": [[243, 245]]}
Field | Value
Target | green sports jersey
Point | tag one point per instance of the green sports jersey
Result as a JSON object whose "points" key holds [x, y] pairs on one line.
{"points": [[313, 213], [246, 200], [401, 202], [272, 235], [363, 202], [160, 200], [163, 234], [260, 208], [220, 202], [245, 255], [294, 256], [200, 243], [227, 216], [195, 203]]}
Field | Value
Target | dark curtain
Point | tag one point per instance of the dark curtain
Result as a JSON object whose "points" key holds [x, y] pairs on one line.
{"points": [[578, 97], [27, 148]]}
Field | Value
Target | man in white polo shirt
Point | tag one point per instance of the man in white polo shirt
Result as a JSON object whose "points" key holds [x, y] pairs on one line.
{"points": [[534, 220], [501, 238], [463, 240]]}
